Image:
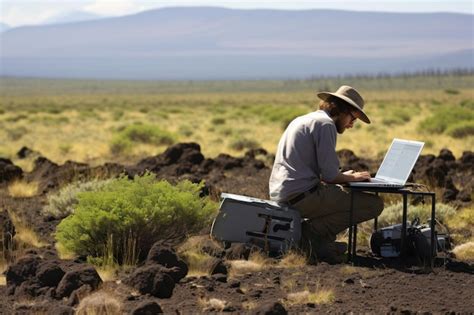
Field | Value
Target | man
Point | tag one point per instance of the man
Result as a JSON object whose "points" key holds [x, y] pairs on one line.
{"points": [[306, 171]]}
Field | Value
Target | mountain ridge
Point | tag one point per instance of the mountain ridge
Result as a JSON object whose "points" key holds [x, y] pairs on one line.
{"points": [[171, 37]]}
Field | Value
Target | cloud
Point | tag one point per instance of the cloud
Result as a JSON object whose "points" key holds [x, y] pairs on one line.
{"points": [[113, 7]]}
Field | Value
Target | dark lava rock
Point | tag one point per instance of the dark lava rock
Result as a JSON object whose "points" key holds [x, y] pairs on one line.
{"points": [[147, 308], [75, 279], [23, 269], [152, 280], [446, 155], [220, 277], [227, 162], [177, 273], [49, 273], [25, 152], [272, 308], [218, 266], [467, 157], [166, 257], [76, 295], [162, 255], [30, 288], [9, 171]]}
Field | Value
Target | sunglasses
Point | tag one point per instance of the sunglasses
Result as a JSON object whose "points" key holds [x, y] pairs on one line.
{"points": [[353, 118]]}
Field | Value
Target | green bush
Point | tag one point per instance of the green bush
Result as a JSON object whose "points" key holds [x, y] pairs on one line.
{"points": [[62, 203], [445, 117], [218, 121], [397, 117], [123, 141], [125, 217], [276, 113], [120, 144], [240, 144], [147, 134], [462, 129]]}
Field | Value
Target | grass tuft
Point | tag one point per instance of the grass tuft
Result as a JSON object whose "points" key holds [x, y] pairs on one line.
{"points": [[293, 259], [465, 251], [99, 303], [20, 188], [321, 296]]}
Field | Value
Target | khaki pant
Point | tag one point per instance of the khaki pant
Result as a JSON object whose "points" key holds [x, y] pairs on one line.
{"points": [[328, 210]]}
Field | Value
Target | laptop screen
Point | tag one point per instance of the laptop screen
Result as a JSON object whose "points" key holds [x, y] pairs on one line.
{"points": [[399, 161]]}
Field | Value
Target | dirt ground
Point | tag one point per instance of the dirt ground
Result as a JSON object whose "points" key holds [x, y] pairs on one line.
{"points": [[373, 285]]}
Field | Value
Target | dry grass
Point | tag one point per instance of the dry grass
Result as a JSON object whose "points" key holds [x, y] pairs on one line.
{"points": [[465, 251], [214, 120], [107, 273], [199, 262], [24, 233], [99, 303], [255, 263], [3, 267], [20, 188], [212, 304], [293, 259], [321, 296]]}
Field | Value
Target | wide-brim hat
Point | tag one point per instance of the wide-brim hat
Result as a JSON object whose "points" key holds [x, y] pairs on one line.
{"points": [[350, 96]]}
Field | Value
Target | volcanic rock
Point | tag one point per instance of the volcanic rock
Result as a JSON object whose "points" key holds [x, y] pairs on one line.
{"points": [[151, 279], [166, 257], [23, 269], [74, 279], [271, 308], [218, 267], [147, 308], [49, 273], [25, 152], [9, 171]]}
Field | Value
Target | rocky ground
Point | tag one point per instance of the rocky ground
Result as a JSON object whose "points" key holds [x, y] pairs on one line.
{"points": [[39, 282]]}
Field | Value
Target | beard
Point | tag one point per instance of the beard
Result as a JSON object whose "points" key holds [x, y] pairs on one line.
{"points": [[339, 126]]}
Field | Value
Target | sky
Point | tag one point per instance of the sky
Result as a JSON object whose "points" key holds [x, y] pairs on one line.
{"points": [[31, 12]]}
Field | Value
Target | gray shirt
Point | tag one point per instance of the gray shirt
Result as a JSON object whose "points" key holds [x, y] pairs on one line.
{"points": [[306, 154]]}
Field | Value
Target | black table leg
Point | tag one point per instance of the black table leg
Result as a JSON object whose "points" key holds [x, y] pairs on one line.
{"points": [[433, 226], [404, 227], [376, 218], [351, 220]]}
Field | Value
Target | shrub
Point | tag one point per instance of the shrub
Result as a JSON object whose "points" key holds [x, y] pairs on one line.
{"points": [[124, 218], [240, 144], [462, 129], [446, 117], [62, 203], [393, 213], [218, 121], [120, 144], [397, 117], [123, 141], [147, 134]]}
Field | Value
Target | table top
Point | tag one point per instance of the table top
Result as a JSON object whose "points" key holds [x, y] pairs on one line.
{"points": [[407, 189]]}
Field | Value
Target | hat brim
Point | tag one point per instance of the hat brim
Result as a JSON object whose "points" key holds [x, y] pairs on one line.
{"points": [[363, 116]]}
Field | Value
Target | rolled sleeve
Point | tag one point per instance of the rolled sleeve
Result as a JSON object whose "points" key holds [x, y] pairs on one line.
{"points": [[326, 152]]}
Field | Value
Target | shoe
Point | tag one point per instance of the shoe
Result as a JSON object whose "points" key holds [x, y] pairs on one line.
{"points": [[331, 252]]}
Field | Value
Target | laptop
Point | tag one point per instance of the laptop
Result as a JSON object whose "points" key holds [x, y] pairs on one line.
{"points": [[396, 165]]}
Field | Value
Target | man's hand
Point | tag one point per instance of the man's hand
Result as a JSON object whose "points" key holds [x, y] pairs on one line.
{"points": [[350, 176]]}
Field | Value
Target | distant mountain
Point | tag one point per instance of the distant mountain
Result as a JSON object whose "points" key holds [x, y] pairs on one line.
{"points": [[3, 27], [217, 43], [74, 16]]}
